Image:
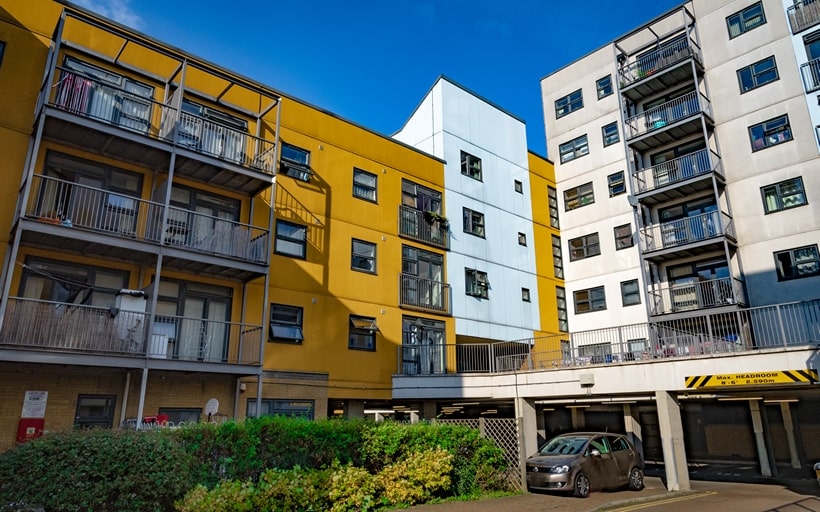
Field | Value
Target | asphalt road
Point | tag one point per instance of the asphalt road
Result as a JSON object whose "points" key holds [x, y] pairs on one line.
{"points": [[705, 496]]}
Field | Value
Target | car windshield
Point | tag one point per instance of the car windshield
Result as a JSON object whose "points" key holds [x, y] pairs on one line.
{"points": [[564, 445]]}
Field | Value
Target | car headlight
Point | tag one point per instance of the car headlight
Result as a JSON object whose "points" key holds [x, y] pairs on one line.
{"points": [[559, 469]]}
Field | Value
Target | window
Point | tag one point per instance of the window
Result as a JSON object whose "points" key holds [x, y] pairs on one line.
{"points": [[610, 134], [784, 195], [759, 73], [525, 294], [623, 237], [578, 196], [95, 411], [522, 239], [470, 166], [557, 258], [573, 149], [630, 293], [569, 103], [519, 187], [362, 334], [286, 323], [561, 302], [797, 263], [282, 407], [552, 197], [473, 222], [604, 86], [592, 299], [177, 415], [476, 283], [2, 51], [364, 185], [584, 247], [71, 283], [420, 198], [745, 20], [363, 256], [770, 133], [296, 162], [616, 183], [291, 239]]}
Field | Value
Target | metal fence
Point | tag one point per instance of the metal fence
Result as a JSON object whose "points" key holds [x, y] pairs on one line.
{"points": [[743, 330]]}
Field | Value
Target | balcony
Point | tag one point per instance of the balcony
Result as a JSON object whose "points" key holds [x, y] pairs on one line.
{"points": [[651, 72], [424, 294], [71, 216], [698, 295], [803, 15], [79, 329], [691, 235], [420, 226], [666, 123], [810, 71], [114, 122], [677, 178]]}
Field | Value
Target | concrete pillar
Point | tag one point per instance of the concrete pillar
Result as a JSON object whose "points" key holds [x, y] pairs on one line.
{"points": [[354, 409], [788, 425], [525, 409], [578, 420], [540, 425], [674, 453], [762, 452], [632, 426], [414, 416], [428, 411]]}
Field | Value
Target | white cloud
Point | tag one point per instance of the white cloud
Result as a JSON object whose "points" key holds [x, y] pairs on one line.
{"points": [[117, 10]]}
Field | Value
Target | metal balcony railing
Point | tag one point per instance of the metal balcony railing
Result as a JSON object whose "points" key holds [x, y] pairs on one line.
{"points": [[685, 231], [656, 60], [88, 97], [657, 118], [420, 226], [744, 330], [62, 327], [675, 298], [676, 170], [78, 206], [424, 294], [810, 72], [803, 15]]}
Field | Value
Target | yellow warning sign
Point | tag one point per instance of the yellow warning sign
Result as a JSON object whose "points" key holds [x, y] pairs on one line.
{"points": [[753, 378]]}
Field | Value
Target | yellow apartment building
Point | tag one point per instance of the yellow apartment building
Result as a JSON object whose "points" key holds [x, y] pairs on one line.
{"points": [[147, 277]]}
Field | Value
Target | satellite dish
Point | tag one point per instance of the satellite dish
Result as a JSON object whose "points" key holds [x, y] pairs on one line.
{"points": [[211, 407]]}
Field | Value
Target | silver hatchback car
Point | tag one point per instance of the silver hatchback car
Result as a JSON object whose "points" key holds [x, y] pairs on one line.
{"points": [[585, 461]]}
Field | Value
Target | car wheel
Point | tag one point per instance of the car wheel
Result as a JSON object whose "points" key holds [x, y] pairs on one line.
{"points": [[636, 479], [581, 485]]}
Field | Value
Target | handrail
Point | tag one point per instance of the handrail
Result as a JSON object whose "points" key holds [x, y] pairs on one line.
{"points": [[656, 60], [657, 118], [685, 231], [676, 170]]}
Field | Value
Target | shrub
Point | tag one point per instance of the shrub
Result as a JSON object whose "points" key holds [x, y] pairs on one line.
{"points": [[100, 470], [416, 478], [352, 489]]}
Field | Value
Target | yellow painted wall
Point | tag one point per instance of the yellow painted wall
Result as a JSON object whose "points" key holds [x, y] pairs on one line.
{"points": [[542, 175]]}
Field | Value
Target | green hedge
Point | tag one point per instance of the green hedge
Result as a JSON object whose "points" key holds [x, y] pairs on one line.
{"points": [[122, 470], [97, 470]]}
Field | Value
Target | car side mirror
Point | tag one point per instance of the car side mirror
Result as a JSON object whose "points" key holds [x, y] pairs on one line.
{"points": [[595, 452]]}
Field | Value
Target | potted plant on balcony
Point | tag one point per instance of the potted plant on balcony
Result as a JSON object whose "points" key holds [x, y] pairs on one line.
{"points": [[434, 217]]}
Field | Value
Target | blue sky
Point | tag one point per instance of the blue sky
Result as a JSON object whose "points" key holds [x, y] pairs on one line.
{"points": [[371, 61]]}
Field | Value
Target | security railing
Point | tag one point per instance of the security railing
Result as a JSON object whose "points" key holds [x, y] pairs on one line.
{"points": [[803, 15], [657, 118], [77, 206], [739, 331], [424, 294], [420, 226], [89, 97], [676, 170], [656, 60], [696, 295], [685, 231], [811, 75], [78, 328]]}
